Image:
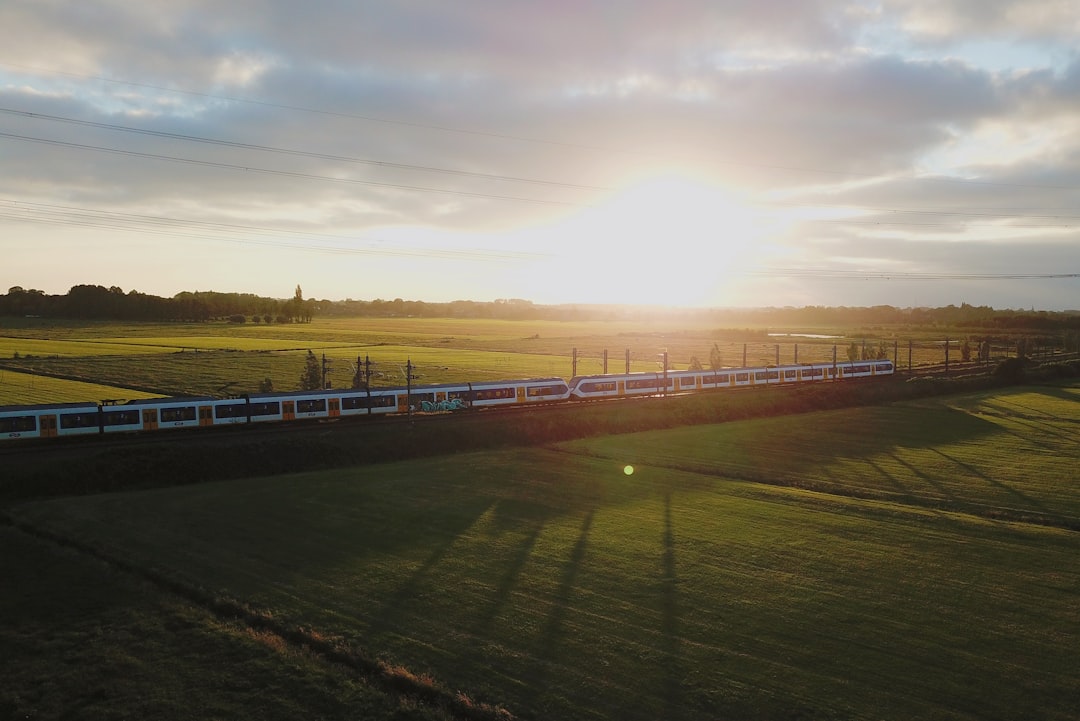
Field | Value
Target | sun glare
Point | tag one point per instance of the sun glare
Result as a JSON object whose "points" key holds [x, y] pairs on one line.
{"points": [[670, 240]]}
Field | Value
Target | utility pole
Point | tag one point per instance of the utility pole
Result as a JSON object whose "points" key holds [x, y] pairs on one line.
{"points": [[605, 361], [326, 368], [408, 385], [573, 373], [665, 357]]}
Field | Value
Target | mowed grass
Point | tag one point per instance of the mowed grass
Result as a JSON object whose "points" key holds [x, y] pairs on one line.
{"points": [[555, 584], [28, 389], [1010, 453], [112, 652]]}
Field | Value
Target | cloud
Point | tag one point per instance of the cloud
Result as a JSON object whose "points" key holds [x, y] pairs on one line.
{"points": [[484, 124]]}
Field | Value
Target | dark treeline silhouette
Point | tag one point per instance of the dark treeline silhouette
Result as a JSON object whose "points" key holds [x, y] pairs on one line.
{"points": [[100, 303], [95, 302]]}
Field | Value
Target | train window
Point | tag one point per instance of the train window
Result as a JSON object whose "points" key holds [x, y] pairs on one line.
{"points": [[230, 410], [18, 424], [311, 405], [488, 394], [646, 383], [598, 387], [269, 408], [556, 390], [790, 375], [352, 403], [742, 377], [78, 420], [175, 415], [120, 418]]}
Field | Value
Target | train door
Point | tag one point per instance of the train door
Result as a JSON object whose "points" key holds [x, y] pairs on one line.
{"points": [[621, 388], [335, 407], [47, 425], [521, 394], [206, 415], [149, 419], [288, 410]]}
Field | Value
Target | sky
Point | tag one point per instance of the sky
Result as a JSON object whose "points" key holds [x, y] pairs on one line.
{"points": [[702, 153]]}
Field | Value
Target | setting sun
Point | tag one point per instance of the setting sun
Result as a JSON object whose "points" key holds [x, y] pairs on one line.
{"points": [[669, 240]]}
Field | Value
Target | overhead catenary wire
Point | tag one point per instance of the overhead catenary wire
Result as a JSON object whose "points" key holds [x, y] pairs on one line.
{"points": [[195, 229]]}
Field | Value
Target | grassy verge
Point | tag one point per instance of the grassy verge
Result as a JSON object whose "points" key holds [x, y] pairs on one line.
{"points": [[84, 640], [553, 584]]}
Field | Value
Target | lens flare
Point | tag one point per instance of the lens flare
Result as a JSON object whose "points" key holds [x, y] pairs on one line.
{"points": [[628, 470]]}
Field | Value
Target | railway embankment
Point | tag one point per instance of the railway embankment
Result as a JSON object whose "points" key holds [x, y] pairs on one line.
{"points": [[92, 465]]}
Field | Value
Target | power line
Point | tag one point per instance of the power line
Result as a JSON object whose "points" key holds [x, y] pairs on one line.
{"points": [[300, 153], [287, 173], [516, 138], [177, 227]]}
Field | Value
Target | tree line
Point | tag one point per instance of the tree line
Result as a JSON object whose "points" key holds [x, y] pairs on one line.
{"points": [[96, 302]]}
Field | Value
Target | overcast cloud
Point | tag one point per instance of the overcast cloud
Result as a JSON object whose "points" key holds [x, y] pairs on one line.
{"points": [[712, 152]]}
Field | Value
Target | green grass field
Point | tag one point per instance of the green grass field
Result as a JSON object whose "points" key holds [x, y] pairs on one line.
{"points": [[891, 562], [28, 389], [226, 359]]}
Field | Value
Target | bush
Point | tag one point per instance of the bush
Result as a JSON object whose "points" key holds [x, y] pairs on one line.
{"points": [[1011, 370]]}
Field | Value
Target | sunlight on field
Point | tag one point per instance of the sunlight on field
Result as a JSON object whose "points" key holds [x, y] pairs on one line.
{"points": [[26, 347], [25, 389]]}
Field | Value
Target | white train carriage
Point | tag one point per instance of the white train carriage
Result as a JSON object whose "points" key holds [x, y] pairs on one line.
{"points": [[456, 396], [864, 369], [48, 421], [618, 385], [173, 412], [246, 410], [361, 402]]}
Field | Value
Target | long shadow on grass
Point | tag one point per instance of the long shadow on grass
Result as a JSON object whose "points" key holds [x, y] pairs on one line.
{"points": [[1029, 504], [393, 610], [548, 653], [927, 477], [673, 666], [511, 569]]}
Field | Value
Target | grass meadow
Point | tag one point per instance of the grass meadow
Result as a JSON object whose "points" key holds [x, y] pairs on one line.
{"points": [[912, 560], [225, 359], [18, 388]]}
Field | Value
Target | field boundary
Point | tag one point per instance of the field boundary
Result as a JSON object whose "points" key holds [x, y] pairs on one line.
{"points": [[393, 679]]}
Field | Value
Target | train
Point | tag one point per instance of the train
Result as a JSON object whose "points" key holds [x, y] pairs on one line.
{"points": [[152, 414]]}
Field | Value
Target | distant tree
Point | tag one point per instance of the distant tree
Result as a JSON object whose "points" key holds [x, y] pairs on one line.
{"points": [[311, 378], [266, 385], [716, 360], [965, 350], [1021, 347], [695, 364], [237, 318], [255, 318], [267, 318], [853, 352], [984, 351]]}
